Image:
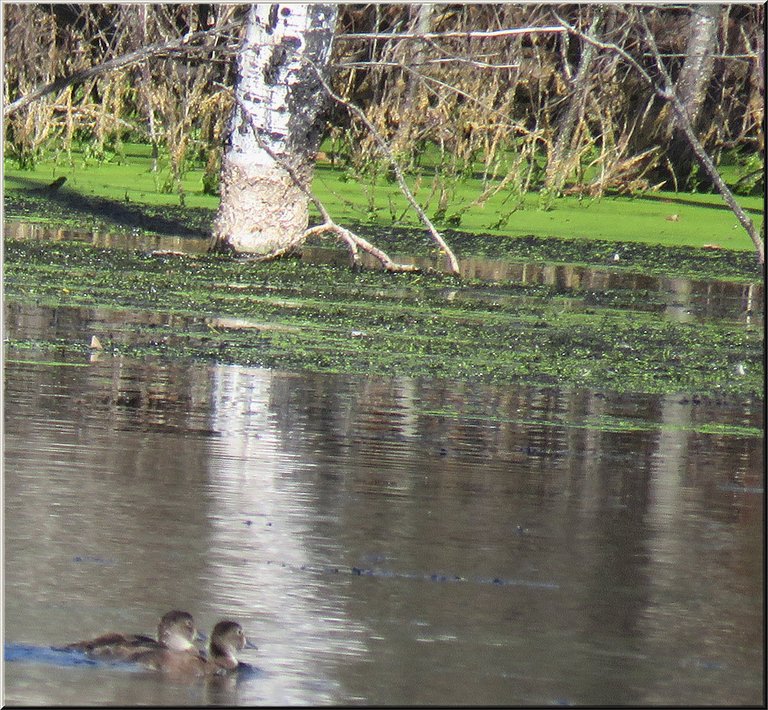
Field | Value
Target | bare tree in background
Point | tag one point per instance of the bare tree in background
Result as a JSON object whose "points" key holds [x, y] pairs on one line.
{"points": [[693, 82]]}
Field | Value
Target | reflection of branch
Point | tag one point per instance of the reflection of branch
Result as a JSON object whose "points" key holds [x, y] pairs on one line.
{"points": [[124, 60]]}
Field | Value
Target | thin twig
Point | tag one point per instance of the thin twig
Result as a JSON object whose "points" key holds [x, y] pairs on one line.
{"points": [[428, 62], [605, 45], [479, 34]]}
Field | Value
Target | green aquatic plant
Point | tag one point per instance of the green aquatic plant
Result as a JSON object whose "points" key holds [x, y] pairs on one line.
{"points": [[292, 314]]}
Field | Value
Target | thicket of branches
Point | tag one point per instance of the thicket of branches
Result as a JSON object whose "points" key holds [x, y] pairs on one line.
{"points": [[541, 109]]}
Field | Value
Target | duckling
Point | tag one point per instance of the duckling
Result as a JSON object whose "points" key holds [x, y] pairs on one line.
{"points": [[176, 632], [227, 639]]}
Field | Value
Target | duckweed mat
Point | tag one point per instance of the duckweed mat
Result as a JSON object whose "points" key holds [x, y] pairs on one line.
{"points": [[294, 315]]}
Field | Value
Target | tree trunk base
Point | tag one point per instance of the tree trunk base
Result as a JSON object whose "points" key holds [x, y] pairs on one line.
{"points": [[260, 212]]}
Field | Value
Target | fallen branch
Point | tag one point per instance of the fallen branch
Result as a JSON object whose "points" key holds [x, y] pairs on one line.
{"points": [[382, 145]]}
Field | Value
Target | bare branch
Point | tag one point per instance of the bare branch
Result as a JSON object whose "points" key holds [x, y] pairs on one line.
{"points": [[186, 42], [480, 34], [667, 92], [684, 122], [382, 145], [427, 62]]}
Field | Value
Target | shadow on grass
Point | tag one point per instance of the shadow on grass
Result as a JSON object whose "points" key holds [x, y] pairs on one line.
{"points": [[692, 203], [69, 205]]}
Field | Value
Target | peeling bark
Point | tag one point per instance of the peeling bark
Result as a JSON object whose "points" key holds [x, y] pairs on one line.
{"points": [[278, 99]]}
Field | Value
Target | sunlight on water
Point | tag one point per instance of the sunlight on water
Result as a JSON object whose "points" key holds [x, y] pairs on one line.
{"points": [[381, 541]]}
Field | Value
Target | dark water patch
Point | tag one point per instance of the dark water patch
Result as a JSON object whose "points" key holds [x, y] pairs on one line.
{"points": [[93, 560], [97, 237]]}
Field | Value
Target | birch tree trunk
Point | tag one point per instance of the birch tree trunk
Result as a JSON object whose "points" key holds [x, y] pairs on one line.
{"points": [[274, 128]]}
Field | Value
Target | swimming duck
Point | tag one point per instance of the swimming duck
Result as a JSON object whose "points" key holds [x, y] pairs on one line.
{"points": [[227, 639], [176, 632]]}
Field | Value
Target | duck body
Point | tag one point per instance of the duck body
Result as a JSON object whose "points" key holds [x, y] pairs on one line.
{"points": [[175, 632], [113, 646], [227, 639]]}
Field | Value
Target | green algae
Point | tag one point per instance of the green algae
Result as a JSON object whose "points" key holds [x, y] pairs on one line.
{"points": [[607, 423], [292, 315], [661, 233], [128, 186]]}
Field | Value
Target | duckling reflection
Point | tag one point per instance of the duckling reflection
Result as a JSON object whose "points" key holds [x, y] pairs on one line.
{"points": [[227, 640], [175, 632]]}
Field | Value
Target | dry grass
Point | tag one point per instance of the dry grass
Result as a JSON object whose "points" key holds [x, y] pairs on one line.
{"points": [[461, 104]]}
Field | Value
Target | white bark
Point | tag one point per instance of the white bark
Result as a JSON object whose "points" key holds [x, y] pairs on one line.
{"points": [[278, 98]]}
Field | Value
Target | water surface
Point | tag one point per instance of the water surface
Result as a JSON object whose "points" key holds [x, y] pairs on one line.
{"points": [[381, 541]]}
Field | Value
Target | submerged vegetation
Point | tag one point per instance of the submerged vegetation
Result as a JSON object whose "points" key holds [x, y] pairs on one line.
{"points": [[290, 314]]}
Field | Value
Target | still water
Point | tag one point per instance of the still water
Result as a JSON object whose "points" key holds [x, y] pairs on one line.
{"points": [[381, 541]]}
